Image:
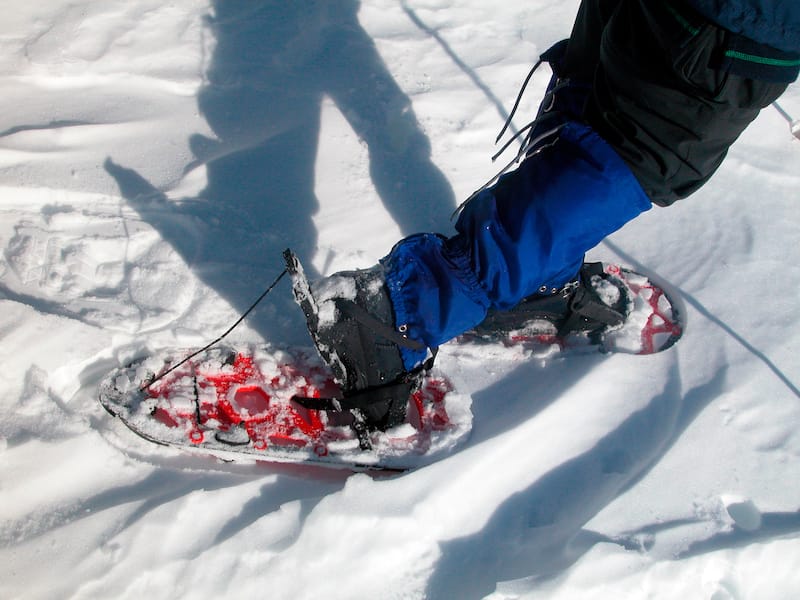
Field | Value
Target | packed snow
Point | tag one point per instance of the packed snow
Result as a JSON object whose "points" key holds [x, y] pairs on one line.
{"points": [[153, 166]]}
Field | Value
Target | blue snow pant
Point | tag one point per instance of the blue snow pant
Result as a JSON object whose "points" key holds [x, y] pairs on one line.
{"points": [[530, 230]]}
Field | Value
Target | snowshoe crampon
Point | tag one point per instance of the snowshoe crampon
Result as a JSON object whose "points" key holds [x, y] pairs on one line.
{"points": [[239, 403]]}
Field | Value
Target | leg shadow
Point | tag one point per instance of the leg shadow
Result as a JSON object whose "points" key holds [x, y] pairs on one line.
{"points": [[272, 65], [538, 533]]}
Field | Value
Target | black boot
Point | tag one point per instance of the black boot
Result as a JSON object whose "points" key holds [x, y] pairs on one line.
{"points": [[591, 303], [351, 321]]}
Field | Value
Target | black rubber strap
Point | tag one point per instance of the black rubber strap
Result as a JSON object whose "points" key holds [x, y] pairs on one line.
{"points": [[587, 304], [363, 398], [358, 399], [354, 311]]}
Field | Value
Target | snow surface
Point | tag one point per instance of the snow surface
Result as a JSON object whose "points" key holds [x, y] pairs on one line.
{"points": [[142, 208]]}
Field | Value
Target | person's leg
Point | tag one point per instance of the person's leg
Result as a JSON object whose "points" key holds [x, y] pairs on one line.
{"points": [[658, 121], [528, 231], [376, 326]]}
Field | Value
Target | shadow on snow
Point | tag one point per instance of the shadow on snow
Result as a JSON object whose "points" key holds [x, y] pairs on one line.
{"points": [[538, 532], [273, 64]]}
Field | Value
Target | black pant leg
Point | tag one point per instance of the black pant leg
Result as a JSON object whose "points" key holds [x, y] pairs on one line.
{"points": [[583, 49], [663, 96]]}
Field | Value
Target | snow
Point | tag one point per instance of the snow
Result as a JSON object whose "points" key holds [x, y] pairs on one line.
{"points": [[673, 475]]}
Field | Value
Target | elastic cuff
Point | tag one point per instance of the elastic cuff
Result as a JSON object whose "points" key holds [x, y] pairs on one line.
{"points": [[434, 292]]}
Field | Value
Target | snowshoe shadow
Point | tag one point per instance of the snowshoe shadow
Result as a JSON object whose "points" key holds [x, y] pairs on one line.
{"points": [[522, 401], [165, 486], [273, 64], [538, 532]]}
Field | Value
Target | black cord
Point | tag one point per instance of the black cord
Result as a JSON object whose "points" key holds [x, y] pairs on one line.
{"points": [[220, 338], [517, 101]]}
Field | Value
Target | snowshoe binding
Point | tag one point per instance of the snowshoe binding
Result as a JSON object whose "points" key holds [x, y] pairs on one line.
{"points": [[604, 307], [349, 317]]}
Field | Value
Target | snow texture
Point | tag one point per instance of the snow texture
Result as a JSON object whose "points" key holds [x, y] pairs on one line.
{"points": [[153, 166]]}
